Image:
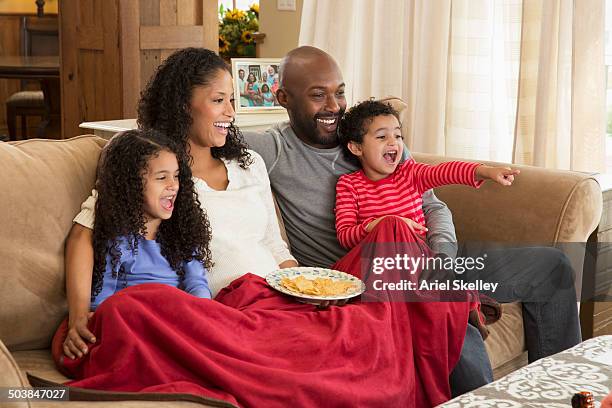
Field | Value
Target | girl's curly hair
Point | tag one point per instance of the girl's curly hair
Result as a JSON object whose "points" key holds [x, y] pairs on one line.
{"points": [[354, 124], [165, 103], [119, 210]]}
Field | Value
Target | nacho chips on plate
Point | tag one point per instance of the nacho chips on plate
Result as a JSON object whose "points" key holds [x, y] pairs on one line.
{"points": [[318, 286]]}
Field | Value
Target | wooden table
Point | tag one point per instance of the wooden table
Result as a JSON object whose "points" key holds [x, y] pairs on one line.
{"points": [[596, 313], [47, 71]]}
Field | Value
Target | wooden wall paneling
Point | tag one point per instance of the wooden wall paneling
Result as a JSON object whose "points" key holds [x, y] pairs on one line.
{"points": [[168, 25], [149, 59], [168, 16], [167, 13], [90, 38], [163, 54], [170, 37], [69, 15], [189, 12], [91, 66], [110, 60], [10, 44], [86, 62], [210, 24], [113, 47], [129, 12]]}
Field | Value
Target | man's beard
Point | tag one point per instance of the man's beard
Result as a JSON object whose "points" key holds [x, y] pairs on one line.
{"points": [[313, 134]]}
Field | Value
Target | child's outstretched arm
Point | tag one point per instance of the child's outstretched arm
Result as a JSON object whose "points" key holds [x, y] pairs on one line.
{"points": [[501, 175], [425, 176], [79, 268]]}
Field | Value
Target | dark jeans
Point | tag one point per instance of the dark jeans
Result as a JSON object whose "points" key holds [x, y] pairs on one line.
{"points": [[543, 280]]}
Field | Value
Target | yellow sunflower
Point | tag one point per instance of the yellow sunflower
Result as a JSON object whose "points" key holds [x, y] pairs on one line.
{"points": [[247, 37], [224, 45], [255, 8], [234, 14]]}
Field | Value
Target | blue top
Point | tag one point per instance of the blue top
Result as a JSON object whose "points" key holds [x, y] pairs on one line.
{"points": [[268, 98], [148, 265]]}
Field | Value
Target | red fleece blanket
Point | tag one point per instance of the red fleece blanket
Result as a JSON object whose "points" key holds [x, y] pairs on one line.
{"points": [[254, 347]]}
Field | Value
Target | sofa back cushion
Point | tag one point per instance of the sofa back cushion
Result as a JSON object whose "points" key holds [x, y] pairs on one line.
{"points": [[42, 184]]}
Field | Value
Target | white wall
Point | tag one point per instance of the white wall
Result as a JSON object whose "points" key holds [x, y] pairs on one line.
{"points": [[282, 28]]}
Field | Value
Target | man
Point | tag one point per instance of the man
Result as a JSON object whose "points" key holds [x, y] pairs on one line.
{"points": [[304, 162], [243, 95]]}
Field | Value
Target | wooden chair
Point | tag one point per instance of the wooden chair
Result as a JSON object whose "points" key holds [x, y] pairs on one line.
{"points": [[39, 37]]}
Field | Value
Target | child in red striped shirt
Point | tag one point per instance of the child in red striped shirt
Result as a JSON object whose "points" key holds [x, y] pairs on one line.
{"points": [[370, 133]]}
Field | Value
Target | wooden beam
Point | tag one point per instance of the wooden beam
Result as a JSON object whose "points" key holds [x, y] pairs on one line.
{"points": [[170, 37], [187, 12], [167, 12], [210, 25], [129, 13], [90, 38], [71, 112]]}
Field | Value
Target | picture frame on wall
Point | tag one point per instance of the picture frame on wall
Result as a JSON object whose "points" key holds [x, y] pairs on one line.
{"points": [[255, 83]]}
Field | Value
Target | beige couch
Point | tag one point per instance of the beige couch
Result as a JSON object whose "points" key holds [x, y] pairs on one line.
{"points": [[43, 182]]}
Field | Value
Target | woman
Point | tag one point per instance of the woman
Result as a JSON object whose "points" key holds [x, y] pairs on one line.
{"points": [[194, 107], [360, 354], [251, 88]]}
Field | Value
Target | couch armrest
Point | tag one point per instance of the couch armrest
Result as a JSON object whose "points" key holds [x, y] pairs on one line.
{"points": [[10, 375], [542, 206]]}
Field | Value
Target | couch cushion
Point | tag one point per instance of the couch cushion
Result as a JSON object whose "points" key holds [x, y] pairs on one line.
{"points": [[506, 340], [43, 183]]}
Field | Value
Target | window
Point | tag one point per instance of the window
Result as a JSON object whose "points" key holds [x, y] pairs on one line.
{"points": [[238, 4]]}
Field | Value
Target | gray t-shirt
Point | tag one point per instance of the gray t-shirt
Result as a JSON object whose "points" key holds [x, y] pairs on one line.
{"points": [[303, 180]]}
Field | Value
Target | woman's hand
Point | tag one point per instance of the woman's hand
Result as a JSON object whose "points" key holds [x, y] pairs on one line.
{"points": [[289, 263], [500, 175], [78, 333]]}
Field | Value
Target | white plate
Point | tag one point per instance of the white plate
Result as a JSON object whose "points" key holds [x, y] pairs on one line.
{"points": [[274, 280]]}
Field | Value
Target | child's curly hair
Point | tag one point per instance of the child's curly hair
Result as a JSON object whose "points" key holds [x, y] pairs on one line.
{"points": [[354, 124], [119, 208], [165, 103]]}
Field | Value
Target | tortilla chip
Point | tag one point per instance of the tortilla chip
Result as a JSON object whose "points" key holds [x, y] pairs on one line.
{"points": [[318, 286]]}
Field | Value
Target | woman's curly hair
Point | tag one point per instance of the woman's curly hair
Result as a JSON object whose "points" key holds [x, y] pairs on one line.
{"points": [[119, 211], [165, 103], [354, 124]]}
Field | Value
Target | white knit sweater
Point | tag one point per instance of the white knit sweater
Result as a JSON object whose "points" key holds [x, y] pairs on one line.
{"points": [[245, 232]]}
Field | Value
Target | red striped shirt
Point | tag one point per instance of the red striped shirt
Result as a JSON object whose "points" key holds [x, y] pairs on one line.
{"points": [[360, 200]]}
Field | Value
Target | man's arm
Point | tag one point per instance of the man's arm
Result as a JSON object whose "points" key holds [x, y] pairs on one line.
{"points": [[441, 235]]}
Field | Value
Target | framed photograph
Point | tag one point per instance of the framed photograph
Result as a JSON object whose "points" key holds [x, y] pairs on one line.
{"points": [[255, 84]]}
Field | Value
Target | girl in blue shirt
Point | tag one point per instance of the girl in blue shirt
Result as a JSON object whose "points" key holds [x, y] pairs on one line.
{"points": [[149, 226], [268, 97]]}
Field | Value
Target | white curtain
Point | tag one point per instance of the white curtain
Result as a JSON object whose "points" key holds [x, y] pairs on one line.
{"points": [[561, 108], [483, 78], [469, 68]]}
